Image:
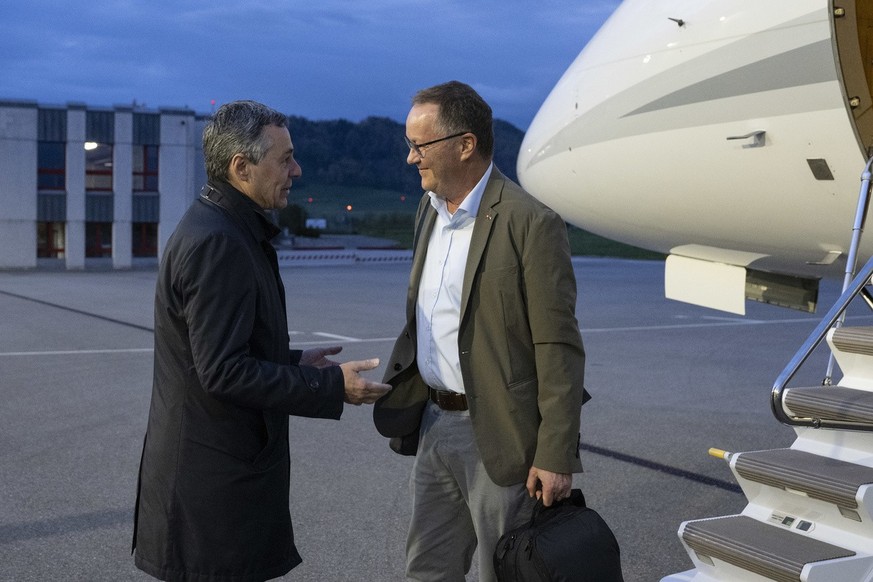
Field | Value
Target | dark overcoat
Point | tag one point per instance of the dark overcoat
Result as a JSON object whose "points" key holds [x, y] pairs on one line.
{"points": [[213, 494]]}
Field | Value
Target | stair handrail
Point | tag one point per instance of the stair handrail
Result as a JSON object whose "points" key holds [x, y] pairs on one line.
{"points": [[852, 286], [812, 342], [852, 259]]}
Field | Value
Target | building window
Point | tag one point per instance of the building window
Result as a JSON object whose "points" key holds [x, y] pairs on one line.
{"points": [[50, 240], [145, 239], [145, 168], [98, 239], [98, 166], [51, 170]]}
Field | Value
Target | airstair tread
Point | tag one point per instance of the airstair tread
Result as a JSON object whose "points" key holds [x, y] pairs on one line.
{"points": [[831, 403], [766, 550], [819, 477], [854, 339]]}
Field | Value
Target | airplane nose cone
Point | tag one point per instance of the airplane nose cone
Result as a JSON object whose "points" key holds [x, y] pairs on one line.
{"points": [[542, 142], [530, 146], [536, 140]]}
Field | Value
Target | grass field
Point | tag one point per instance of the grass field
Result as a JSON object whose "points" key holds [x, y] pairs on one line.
{"points": [[390, 215], [331, 201]]}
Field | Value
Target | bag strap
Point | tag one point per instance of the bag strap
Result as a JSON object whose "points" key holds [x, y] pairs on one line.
{"points": [[576, 499]]}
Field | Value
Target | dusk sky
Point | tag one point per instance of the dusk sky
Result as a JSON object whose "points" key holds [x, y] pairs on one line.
{"points": [[321, 59]]}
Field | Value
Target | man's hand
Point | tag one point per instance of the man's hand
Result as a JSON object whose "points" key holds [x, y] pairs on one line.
{"points": [[552, 486], [359, 390], [317, 357]]}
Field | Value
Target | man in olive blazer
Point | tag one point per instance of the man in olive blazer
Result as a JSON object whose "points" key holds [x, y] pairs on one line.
{"points": [[528, 377], [519, 348]]}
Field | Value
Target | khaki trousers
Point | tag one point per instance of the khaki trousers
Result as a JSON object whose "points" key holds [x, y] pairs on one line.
{"points": [[455, 505]]}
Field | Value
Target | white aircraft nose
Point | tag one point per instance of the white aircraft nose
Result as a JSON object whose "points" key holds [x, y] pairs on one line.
{"points": [[539, 142]]}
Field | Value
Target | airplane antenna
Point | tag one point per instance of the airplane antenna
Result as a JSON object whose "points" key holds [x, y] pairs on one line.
{"points": [[678, 21]]}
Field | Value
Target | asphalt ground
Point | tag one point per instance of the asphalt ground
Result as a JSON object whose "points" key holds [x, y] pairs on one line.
{"points": [[669, 381]]}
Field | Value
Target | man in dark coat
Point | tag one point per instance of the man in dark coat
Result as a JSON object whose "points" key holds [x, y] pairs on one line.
{"points": [[212, 502]]}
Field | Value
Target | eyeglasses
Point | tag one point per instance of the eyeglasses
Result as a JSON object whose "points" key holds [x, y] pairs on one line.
{"points": [[417, 147]]}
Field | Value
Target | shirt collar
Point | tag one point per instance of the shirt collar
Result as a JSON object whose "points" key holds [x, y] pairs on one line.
{"points": [[470, 205]]}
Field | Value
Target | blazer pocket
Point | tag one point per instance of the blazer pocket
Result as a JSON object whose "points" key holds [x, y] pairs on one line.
{"points": [[522, 395], [500, 272]]}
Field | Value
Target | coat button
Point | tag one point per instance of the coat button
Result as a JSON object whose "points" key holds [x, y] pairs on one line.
{"points": [[397, 367]]}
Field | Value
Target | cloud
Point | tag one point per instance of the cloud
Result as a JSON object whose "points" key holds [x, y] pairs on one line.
{"points": [[325, 59]]}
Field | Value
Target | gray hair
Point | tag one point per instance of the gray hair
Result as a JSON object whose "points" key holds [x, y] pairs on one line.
{"points": [[238, 128], [461, 109]]}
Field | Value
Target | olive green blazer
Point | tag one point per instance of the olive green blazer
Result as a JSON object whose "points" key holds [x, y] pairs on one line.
{"points": [[520, 348]]}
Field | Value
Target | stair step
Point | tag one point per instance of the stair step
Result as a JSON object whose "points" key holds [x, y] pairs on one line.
{"points": [[766, 550], [857, 340], [819, 477], [831, 403]]}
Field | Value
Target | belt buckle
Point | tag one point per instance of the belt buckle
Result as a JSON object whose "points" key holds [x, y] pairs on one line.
{"points": [[448, 400], [438, 398]]}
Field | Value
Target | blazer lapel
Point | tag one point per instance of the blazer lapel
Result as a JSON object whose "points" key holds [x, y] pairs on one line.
{"points": [[481, 232], [426, 221]]}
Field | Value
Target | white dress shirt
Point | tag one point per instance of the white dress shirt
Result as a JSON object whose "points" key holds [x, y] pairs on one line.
{"points": [[438, 311]]}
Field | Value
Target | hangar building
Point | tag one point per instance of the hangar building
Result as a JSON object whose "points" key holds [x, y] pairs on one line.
{"points": [[82, 186]]}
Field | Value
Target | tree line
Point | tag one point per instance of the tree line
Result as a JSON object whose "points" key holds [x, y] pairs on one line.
{"points": [[372, 152]]}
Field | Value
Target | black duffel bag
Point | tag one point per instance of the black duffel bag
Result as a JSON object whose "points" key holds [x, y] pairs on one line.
{"points": [[567, 542]]}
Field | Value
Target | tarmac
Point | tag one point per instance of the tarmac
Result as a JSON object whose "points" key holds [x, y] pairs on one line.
{"points": [[668, 381]]}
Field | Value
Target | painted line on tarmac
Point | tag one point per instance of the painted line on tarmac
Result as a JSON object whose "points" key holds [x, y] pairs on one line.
{"points": [[718, 323], [78, 352], [149, 350], [344, 338], [302, 342], [662, 468], [58, 526], [730, 319], [667, 327], [79, 311]]}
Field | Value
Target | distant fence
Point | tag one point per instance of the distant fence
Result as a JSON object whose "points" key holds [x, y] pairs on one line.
{"points": [[326, 257]]}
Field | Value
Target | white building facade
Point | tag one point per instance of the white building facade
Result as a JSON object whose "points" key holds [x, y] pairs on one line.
{"points": [[83, 186]]}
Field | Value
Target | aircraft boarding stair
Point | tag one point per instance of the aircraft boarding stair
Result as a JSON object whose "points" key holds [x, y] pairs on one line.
{"points": [[809, 516], [810, 512]]}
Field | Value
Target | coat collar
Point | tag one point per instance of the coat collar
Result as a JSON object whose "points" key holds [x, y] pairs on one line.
{"points": [[244, 209]]}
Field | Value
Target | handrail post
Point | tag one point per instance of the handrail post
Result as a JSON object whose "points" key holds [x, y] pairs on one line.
{"points": [[852, 259], [852, 286], [858, 226], [812, 342]]}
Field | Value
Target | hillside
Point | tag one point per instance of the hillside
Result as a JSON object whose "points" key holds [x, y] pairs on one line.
{"points": [[356, 179], [372, 153]]}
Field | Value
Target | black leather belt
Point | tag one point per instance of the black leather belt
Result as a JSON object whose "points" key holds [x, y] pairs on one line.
{"points": [[448, 400]]}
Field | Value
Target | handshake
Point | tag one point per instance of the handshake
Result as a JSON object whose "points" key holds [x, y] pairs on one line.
{"points": [[358, 389]]}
